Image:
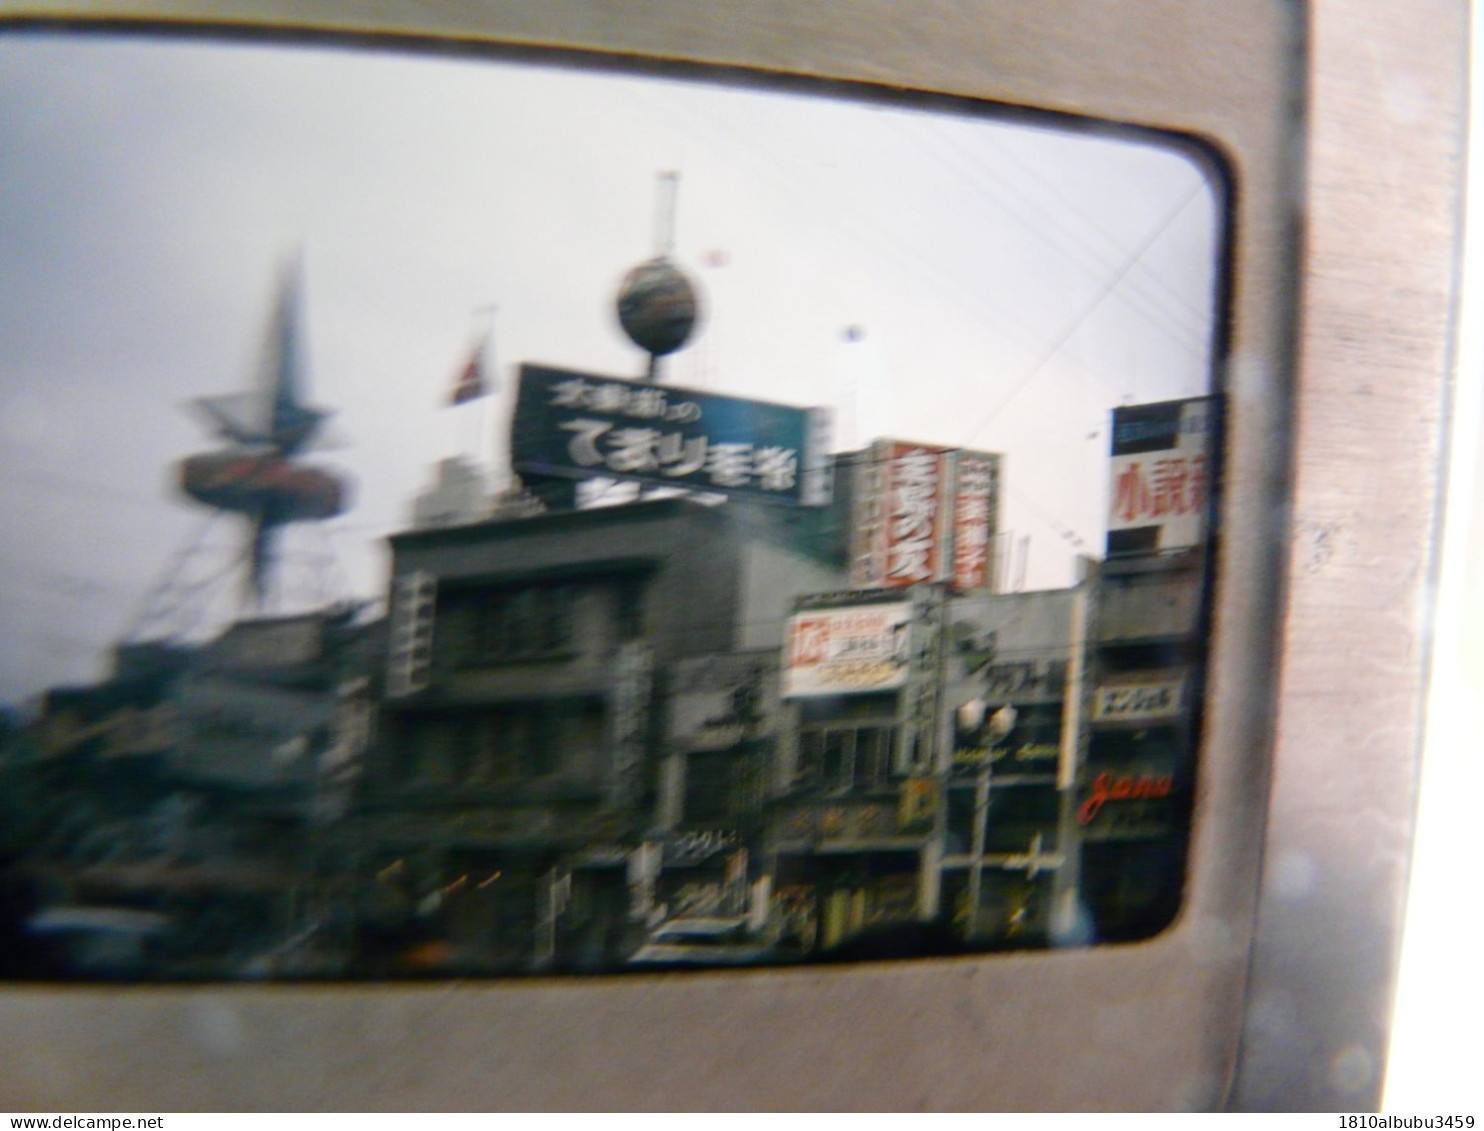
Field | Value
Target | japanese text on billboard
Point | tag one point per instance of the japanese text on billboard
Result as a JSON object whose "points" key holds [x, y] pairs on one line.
{"points": [[1139, 702], [852, 649], [1160, 477], [925, 513], [580, 425]]}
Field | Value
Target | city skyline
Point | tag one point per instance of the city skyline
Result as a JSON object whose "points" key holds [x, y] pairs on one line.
{"points": [[948, 279]]}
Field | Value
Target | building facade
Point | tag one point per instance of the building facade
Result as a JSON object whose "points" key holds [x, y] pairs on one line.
{"points": [[176, 819], [670, 717], [521, 806]]}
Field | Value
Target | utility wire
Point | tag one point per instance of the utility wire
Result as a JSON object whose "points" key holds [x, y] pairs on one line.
{"points": [[1044, 224], [1087, 311]]}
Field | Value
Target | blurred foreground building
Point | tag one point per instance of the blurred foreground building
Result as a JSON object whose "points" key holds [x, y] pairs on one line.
{"points": [[171, 820]]}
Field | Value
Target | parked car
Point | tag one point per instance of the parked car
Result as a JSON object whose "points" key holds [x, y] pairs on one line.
{"points": [[701, 942], [100, 942]]}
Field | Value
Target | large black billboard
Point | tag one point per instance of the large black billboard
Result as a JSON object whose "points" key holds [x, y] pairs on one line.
{"points": [[582, 425]]}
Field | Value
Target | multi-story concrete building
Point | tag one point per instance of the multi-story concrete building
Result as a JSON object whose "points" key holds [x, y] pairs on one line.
{"points": [[517, 774], [197, 786], [716, 754], [995, 770], [1143, 729], [604, 721], [924, 774]]}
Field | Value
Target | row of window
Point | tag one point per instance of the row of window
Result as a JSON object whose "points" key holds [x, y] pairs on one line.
{"points": [[499, 747], [720, 785], [535, 622], [848, 757], [520, 624]]}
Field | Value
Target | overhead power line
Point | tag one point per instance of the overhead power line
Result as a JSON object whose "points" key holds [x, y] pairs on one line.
{"points": [[1108, 287]]}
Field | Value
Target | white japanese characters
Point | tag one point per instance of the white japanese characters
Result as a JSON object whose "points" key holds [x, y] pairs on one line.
{"points": [[633, 451], [913, 517], [666, 434], [647, 403]]}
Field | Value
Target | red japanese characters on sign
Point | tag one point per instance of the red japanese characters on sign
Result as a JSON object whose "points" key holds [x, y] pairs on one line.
{"points": [[1160, 477], [846, 650], [1159, 485]]}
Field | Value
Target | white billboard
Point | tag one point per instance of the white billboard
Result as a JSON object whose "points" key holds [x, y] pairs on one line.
{"points": [[1147, 700], [1160, 477], [847, 650]]}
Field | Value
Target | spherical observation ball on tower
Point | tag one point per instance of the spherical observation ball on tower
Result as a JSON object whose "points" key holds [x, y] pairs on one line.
{"points": [[657, 306]]}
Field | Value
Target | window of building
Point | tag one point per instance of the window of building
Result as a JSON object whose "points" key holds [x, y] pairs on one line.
{"points": [[708, 787], [628, 611], [847, 756], [500, 747], [535, 622], [720, 786], [501, 740], [1014, 816]]}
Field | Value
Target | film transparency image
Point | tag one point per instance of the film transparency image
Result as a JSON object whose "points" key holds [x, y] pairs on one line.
{"points": [[474, 518]]}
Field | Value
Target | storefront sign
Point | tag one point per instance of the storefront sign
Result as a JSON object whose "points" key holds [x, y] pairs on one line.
{"points": [[1036, 751], [1161, 476], [1138, 702], [924, 513], [718, 701], [687, 848], [1033, 739], [917, 749], [975, 519], [858, 822], [848, 650], [971, 755], [1118, 788], [581, 425], [1025, 680]]}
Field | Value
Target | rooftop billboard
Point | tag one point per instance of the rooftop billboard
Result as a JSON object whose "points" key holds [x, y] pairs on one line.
{"points": [[847, 650], [581, 425], [1160, 476], [925, 513]]}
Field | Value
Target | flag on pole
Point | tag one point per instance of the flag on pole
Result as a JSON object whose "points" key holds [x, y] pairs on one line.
{"points": [[470, 383]]}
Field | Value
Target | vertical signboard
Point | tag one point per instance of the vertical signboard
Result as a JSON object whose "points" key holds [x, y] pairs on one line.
{"points": [[628, 733], [917, 749], [925, 514], [1160, 476], [976, 485], [914, 525]]}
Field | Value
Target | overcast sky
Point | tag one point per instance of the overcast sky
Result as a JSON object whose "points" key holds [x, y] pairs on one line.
{"points": [[1013, 285]]}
